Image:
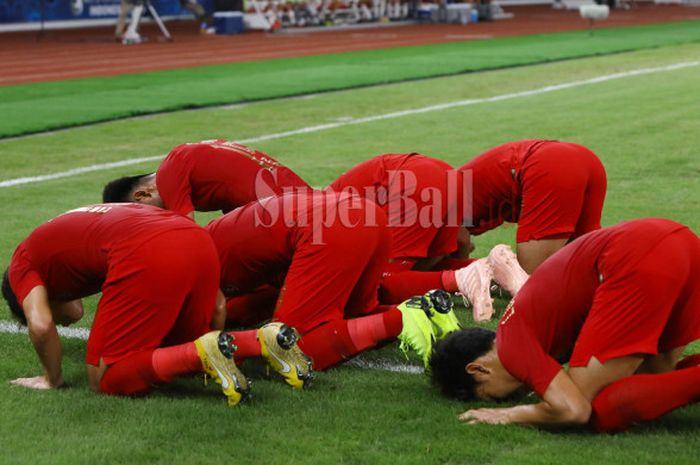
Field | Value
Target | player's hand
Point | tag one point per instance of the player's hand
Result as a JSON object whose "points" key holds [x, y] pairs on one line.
{"points": [[492, 416], [37, 382]]}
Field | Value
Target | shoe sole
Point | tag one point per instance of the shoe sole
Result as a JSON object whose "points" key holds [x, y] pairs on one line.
{"points": [[286, 339], [506, 269], [220, 376], [482, 304]]}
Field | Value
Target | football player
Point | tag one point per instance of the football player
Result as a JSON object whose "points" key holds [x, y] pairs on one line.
{"points": [[206, 176], [619, 305]]}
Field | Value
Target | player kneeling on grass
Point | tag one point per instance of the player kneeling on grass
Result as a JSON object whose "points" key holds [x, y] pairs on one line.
{"points": [[619, 304], [423, 199], [206, 176], [321, 256], [554, 191], [158, 273]]}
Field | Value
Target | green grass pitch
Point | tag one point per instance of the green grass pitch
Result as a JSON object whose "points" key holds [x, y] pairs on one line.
{"points": [[644, 128]]}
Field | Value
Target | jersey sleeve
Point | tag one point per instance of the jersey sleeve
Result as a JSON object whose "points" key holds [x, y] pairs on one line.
{"points": [[174, 187], [522, 355], [22, 277]]}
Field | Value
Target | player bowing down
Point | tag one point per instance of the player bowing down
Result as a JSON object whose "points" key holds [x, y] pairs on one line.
{"points": [[619, 304], [322, 254], [206, 176], [425, 200], [553, 190], [158, 273]]}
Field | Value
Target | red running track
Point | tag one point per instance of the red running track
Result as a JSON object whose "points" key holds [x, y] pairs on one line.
{"points": [[92, 52]]}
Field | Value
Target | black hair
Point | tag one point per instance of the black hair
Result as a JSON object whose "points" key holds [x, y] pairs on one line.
{"points": [[11, 298], [120, 189], [452, 354]]}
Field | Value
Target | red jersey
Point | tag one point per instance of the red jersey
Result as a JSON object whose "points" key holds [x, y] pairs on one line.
{"points": [[256, 242], [220, 175], [587, 283], [70, 254], [496, 189]]}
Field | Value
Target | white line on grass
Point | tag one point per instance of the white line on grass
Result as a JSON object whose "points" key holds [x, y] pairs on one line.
{"points": [[370, 119], [11, 327], [75, 171], [385, 366]]}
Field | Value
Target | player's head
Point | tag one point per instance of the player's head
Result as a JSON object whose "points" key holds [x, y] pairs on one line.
{"points": [[140, 189], [11, 299], [465, 365]]}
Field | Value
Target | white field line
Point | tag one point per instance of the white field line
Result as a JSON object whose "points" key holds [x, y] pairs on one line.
{"points": [[11, 327], [370, 119], [385, 366]]}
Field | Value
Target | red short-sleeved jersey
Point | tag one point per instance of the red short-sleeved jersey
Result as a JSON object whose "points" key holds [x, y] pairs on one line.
{"points": [[496, 190], [420, 195], [324, 252], [552, 189], [256, 242], [606, 277], [70, 254], [220, 175]]}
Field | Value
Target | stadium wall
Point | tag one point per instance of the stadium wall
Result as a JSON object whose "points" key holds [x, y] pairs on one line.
{"points": [[16, 15], [30, 15]]}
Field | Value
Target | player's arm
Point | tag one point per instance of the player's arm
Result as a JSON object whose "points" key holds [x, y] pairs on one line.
{"points": [[44, 336], [562, 404]]}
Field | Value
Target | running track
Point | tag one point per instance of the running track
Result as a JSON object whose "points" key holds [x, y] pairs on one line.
{"points": [[91, 52]]}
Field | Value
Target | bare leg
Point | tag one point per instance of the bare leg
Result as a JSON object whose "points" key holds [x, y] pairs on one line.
{"points": [[661, 363], [94, 375], [594, 377], [124, 9], [464, 244], [531, 254]]}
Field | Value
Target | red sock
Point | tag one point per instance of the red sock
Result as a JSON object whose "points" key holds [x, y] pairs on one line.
{"points": [[454, 263], [338, 340], [641, 398], [449, 281], [171, 362], [689, 361], [247, 343], [368, 331], [399, 286], [131, 375]]}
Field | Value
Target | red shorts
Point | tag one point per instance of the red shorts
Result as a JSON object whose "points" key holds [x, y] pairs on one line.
{"points": [[563, 190], [416, 198], [337, 279], [647, 307], [161, 293]]}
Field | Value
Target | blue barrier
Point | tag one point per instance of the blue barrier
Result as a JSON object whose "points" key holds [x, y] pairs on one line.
{"points": [[32, 11]]}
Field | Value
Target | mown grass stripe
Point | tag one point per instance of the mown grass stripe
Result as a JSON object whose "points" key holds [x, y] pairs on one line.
{"points": [[368, 119]]}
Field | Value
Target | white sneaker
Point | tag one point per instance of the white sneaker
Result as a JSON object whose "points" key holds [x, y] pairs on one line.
{"points": [[132, 39], [474, 283], [506, 269]]}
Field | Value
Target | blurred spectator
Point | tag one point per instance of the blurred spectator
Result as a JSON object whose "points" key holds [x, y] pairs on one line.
{"points": [[136, 8]]}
